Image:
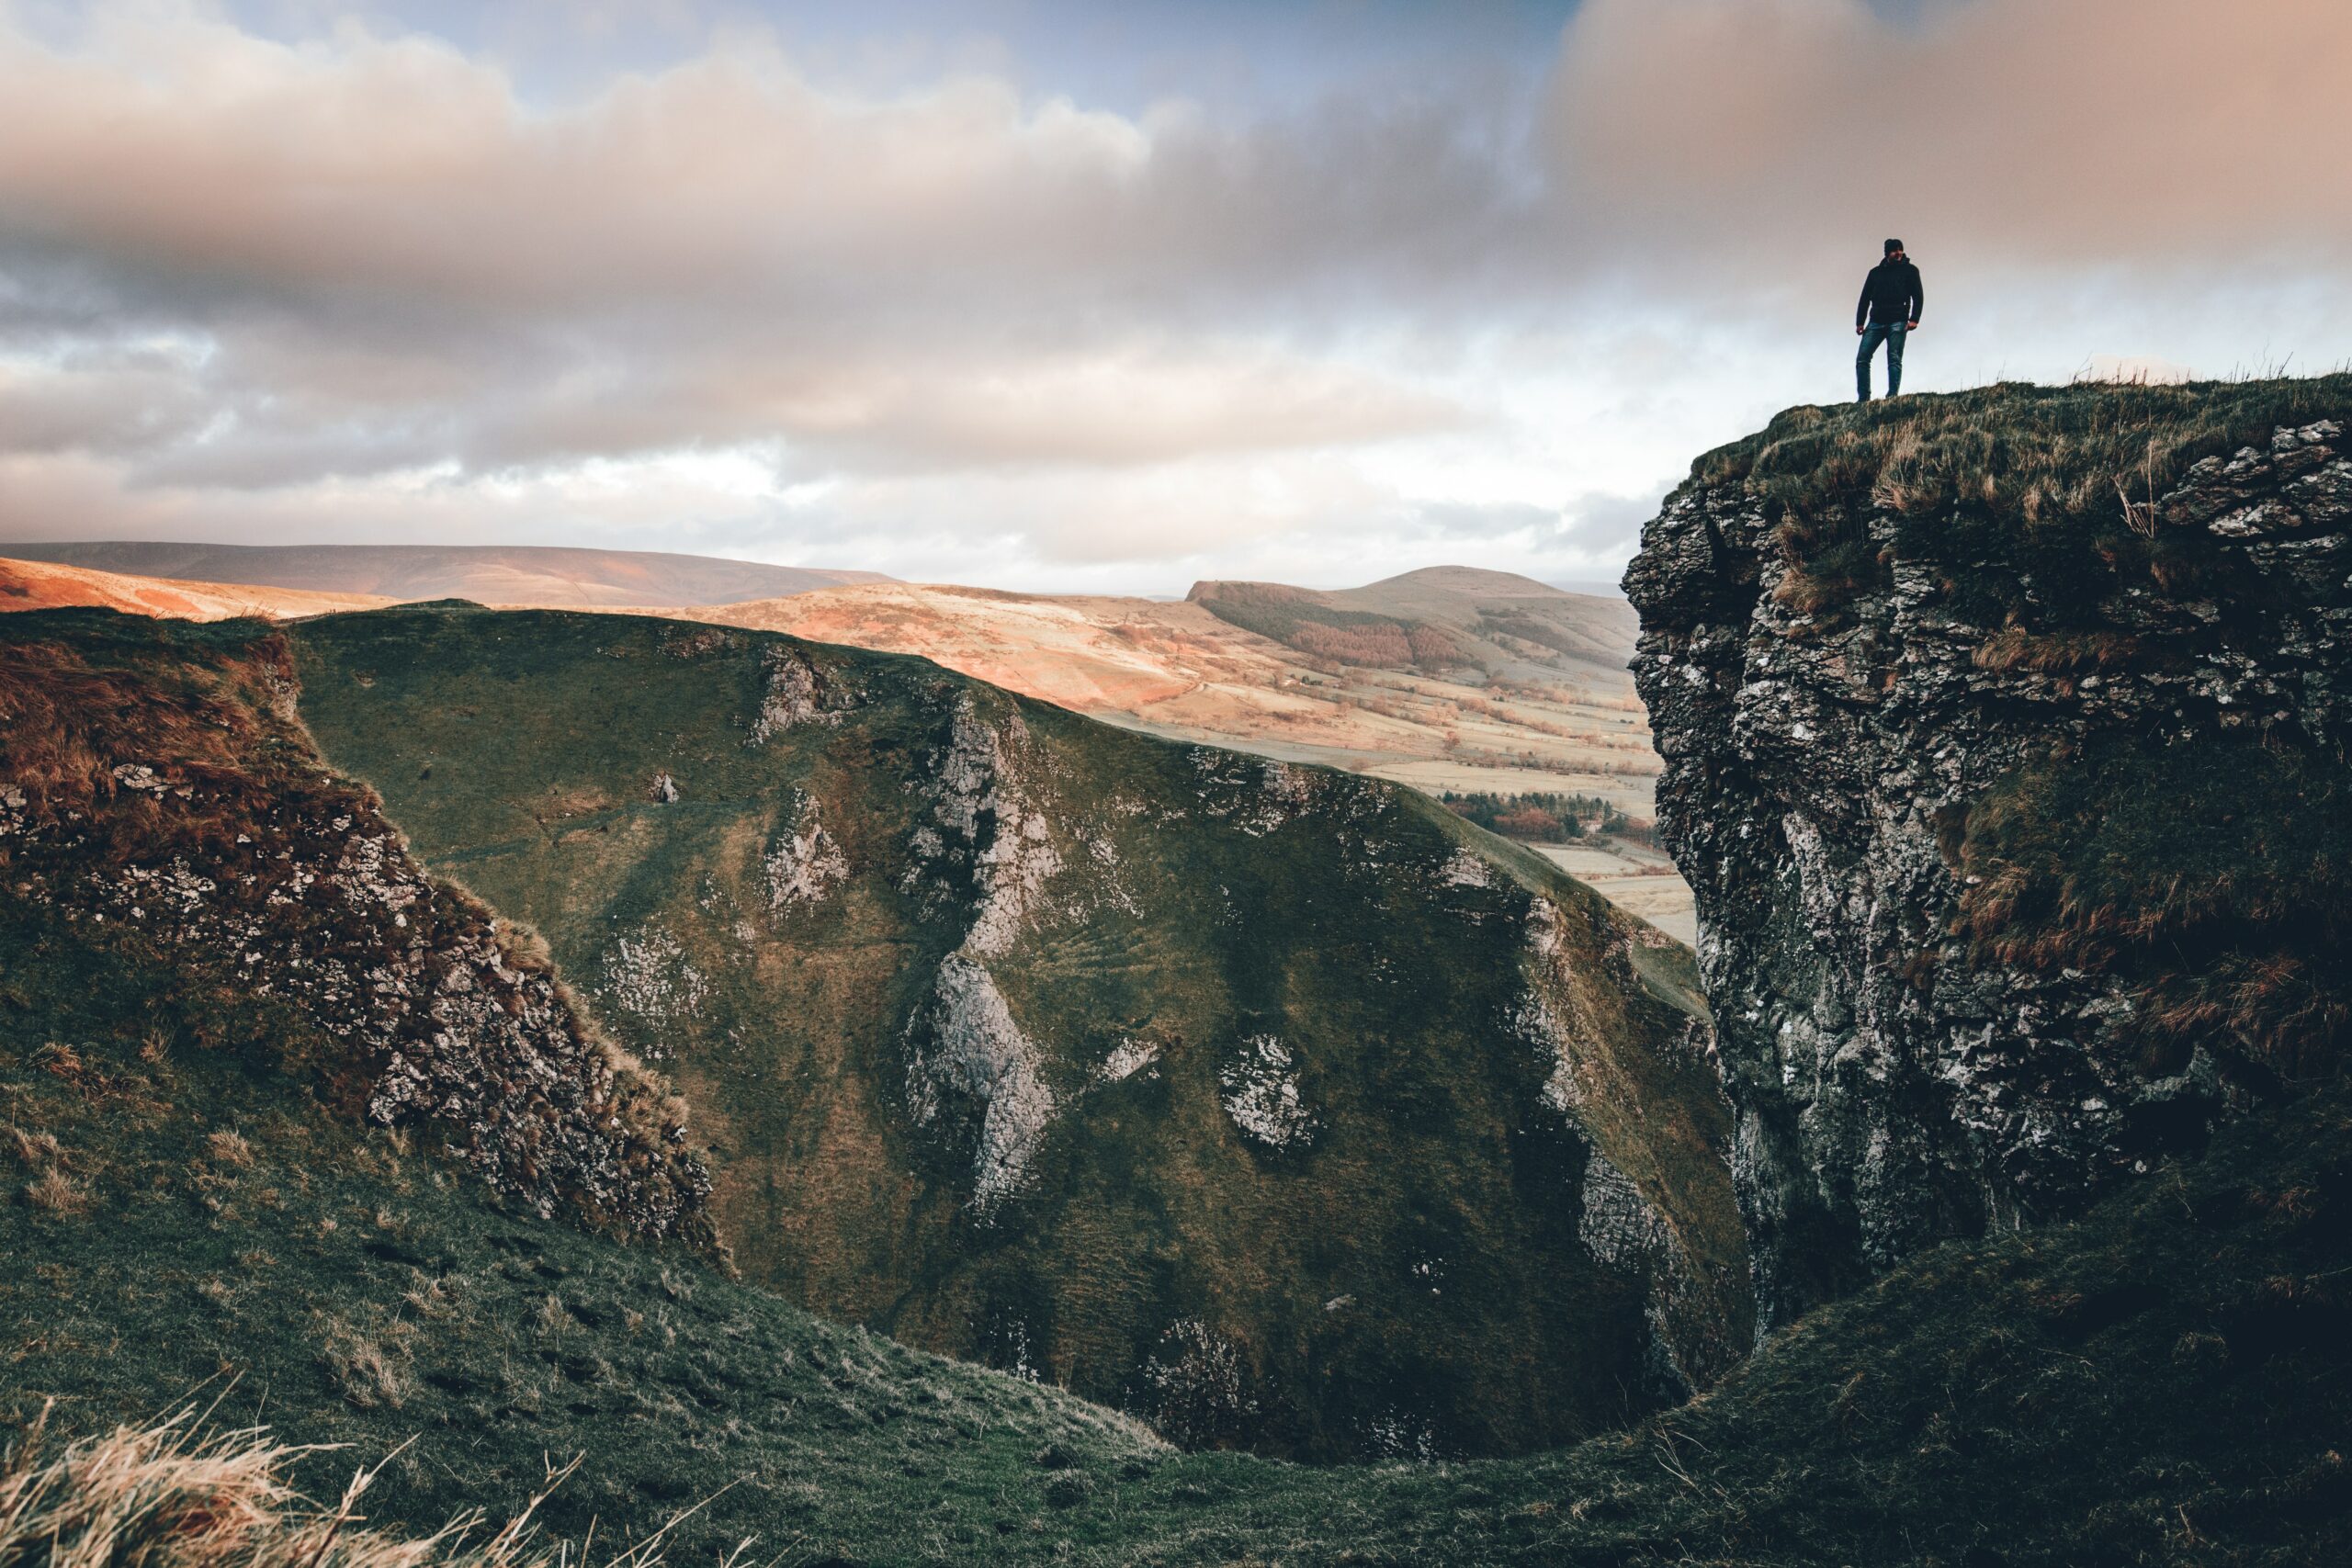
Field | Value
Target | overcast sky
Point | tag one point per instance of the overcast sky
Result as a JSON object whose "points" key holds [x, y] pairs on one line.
{"points": [[1060, 295]]}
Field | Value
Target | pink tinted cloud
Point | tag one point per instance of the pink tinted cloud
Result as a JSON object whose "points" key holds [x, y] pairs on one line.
{"points": [[2036, 132]]}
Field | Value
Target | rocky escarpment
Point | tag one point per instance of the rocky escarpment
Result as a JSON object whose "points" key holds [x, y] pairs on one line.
{"points": [[2003, 741], [156, 798]]}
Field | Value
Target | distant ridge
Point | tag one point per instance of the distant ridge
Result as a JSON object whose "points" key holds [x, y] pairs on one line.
{"points": [[552, 576], [1440, 618], [48, 586]]}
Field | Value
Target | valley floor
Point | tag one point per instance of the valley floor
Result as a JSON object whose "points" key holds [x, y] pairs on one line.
{"points": [[2167, 1380]]}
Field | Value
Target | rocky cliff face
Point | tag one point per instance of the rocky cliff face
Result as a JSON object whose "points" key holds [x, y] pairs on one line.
{"points": [[156, 797], [2010, 787]]}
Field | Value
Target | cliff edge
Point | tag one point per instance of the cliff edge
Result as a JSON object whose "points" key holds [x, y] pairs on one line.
{"points": [[2004, 750]]}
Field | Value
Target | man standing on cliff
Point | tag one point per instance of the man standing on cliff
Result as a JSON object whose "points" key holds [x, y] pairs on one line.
{"points": [[1888, 309]]}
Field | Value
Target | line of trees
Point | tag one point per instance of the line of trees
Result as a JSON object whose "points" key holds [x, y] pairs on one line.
{"points": [[1540, 817]]}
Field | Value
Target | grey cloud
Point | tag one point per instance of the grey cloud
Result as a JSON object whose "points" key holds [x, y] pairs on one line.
{"points": [[982, 306], [1467, 521], [1594, 526], [111, 411], [378, 232]]}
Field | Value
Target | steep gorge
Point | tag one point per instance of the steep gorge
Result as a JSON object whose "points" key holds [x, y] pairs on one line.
{"points": [[1272, 1103]]}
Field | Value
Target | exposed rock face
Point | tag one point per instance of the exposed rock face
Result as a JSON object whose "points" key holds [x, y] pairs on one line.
{"points": [[805, 863], [1261, 1095], [1893, 1084], [971, 1053], [226, 849], [798, 691]]}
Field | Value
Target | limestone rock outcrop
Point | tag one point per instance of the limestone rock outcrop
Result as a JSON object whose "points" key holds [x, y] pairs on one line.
{"points": [[157, 798], [1898, 1076]]}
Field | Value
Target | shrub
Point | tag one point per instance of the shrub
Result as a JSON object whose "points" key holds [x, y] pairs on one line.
{"points": [[34, 1149], [1545, 818]]}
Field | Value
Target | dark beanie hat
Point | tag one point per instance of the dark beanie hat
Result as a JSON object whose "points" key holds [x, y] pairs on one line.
{"points": [[1893, 246]]}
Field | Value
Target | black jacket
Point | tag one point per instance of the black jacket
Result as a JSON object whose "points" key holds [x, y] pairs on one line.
{"points": [[1890, 294]]}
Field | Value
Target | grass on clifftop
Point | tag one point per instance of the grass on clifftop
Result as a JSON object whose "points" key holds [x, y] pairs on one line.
{"points": [[2007, 483], [2212, 876]]}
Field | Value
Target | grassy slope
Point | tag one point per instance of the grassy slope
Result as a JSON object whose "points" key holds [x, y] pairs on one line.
{"points": [[2166, 1380], [360, 1292], [1438, 1205]]}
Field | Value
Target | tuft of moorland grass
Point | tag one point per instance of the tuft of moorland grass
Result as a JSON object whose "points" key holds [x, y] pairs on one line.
{"points": [[55, 1192], [169, 1493], [2034, 499]]}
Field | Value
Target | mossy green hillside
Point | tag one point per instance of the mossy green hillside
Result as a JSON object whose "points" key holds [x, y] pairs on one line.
{"points": [[1308, 1104], [190, 1218], [2165, 1381], [154, 785]]}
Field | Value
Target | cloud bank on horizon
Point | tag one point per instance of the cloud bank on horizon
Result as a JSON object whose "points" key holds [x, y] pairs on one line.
{"points": [[1316, 292]]}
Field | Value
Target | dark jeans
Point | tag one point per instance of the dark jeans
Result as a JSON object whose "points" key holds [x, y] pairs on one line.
{"points": [[1893, 337]]}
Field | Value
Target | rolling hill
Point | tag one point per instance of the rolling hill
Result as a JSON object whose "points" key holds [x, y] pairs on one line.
{"points": [[1178, 671], [1440, 619], [1168, 668], [46, 585], [488, 574]]}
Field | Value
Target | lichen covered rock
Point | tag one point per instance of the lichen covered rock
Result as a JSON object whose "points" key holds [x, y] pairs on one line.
{"points": [[968, 1055], [1873, 686], [169, 805]]}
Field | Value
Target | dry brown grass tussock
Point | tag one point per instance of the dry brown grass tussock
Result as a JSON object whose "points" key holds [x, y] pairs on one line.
{"points": [[57, 1193], [172, 1495]]}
